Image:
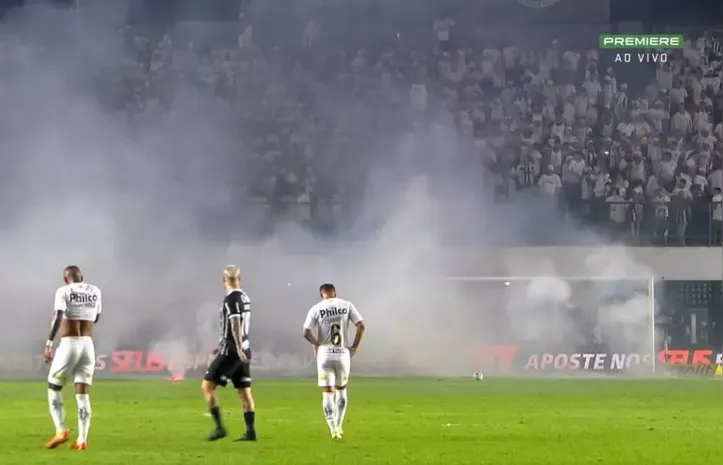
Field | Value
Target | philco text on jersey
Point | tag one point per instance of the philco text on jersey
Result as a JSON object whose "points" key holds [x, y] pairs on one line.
{"points": [[78, 298], [333, 311]]}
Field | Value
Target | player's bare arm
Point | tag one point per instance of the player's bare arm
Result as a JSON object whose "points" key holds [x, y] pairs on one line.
{"points": [[77, 306], [236, 331], [54, 328], [310, 338], [360, 330]]}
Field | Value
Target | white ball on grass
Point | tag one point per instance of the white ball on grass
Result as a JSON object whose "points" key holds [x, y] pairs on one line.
{"points": [[478, 376]]}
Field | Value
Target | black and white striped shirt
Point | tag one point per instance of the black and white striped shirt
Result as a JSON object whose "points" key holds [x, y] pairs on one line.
{"points": [[716, 48], [590, 157], [526, 174], [621, 101], [236, 304]]}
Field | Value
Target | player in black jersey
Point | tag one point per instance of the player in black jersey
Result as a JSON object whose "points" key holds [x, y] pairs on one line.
{"points": [[233, 357]]}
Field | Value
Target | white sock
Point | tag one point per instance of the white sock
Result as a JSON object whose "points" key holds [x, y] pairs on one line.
{"points": [[329, 410], [83, 401], [57, 410], [341, 403]]}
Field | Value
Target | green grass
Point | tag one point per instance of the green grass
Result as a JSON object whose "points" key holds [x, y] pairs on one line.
{"points": [[414, 421]]}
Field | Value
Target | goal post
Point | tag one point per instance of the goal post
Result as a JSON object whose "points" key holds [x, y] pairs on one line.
{"points": [[568, 324]]}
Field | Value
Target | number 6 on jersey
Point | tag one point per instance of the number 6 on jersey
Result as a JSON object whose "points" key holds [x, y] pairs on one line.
{"points": [[336, 335], [330, 320]]}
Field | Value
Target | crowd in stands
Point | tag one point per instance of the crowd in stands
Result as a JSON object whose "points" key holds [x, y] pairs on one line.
{"points": [[640, 162]]}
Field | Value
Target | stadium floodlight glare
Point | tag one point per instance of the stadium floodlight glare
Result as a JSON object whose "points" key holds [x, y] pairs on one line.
{"points": [[644, 282]]}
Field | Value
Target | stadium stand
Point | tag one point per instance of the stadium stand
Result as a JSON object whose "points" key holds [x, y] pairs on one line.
{"points": [[544, 113], [640, 161]]}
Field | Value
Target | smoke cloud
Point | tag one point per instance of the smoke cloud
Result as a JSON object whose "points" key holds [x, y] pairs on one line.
{"points": [[151, 211]]}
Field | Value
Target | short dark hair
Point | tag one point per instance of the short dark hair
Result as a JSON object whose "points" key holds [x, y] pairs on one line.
{"points": [[327, 288], [73, 273]]}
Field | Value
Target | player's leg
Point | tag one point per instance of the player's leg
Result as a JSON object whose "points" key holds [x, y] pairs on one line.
{"points": [[62, 363], [84, 370], [342, 379], [215, 376], [241, 379], [327, 380]]}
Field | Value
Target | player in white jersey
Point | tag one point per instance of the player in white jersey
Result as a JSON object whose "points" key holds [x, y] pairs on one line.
{"points": [[77, 310], [330, 319]]}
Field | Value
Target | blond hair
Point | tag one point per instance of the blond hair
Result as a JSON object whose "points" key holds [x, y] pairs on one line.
{"points": [[232, 273]]}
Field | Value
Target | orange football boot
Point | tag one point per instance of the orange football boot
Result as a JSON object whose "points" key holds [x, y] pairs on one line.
{"points": [[58, 439], [79, 446]]}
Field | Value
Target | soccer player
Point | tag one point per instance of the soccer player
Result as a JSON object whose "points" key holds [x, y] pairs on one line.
{"points": [[233, 357], [331, 318], [77, 310]]}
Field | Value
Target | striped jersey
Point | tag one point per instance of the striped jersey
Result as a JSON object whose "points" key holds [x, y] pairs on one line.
{"points": [[526, 174], [236, 304], [716, 48]]}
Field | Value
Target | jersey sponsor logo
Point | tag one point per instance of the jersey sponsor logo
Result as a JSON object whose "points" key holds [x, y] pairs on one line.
{"points": [[333, 311], [80, 298], [335, 350]]}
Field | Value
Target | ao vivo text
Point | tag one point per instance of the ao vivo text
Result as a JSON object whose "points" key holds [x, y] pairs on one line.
{"points": [[508, 357], [641, 57]]}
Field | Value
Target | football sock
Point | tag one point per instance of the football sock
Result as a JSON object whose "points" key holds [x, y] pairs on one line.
{"points": [[329, 410], [216, 415], [83, 401], [57, 410], [341, 403], [250, 419]]}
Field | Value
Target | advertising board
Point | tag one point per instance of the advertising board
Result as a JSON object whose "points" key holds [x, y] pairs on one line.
{"points": [[122, 363], [514, 359]]}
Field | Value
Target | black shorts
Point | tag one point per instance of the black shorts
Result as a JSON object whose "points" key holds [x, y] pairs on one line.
{"points": [[225, 367]]}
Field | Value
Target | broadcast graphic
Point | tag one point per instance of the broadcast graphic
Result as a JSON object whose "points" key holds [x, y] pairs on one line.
{"points": [[641, 48]]}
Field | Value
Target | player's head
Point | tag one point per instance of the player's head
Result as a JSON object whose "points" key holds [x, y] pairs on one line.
{"points": [[72, 274], [327, 291], [231, 276]]}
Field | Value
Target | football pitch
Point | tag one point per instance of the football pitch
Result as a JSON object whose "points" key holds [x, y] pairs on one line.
{"points": [[389, 421]]}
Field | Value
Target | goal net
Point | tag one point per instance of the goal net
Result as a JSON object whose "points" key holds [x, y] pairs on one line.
{"points": [[563, 325]]}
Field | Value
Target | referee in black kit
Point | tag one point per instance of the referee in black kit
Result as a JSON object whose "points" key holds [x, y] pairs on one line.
{"points": [[233, 357]]}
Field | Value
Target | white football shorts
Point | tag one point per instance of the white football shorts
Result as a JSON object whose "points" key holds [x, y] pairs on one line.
{"points": [[333, 366], [75, 358]]}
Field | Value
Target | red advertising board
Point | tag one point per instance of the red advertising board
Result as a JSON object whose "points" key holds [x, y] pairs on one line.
{"points": [[511, 358], [125, 362]]}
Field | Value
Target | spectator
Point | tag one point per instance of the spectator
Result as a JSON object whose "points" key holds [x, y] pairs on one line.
{"points": [[717, 223], [646, 163]]}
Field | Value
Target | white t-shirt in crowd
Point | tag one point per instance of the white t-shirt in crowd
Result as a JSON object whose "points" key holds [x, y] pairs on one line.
{"points": [[549, 183], [442, 27], [718, 207], [618, 209]]}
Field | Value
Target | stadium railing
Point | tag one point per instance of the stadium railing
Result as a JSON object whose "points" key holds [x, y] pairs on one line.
{"points": [[687, 223]]}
